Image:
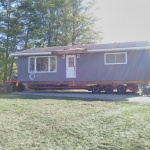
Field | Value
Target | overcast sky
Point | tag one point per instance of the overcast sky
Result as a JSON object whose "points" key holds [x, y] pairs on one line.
{"points": [[124, 20]]}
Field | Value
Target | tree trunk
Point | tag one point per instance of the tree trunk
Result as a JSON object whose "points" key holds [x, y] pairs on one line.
{"points": [[73, 25], [11, 69], [5, 74], [27, 38], [49, 44]]}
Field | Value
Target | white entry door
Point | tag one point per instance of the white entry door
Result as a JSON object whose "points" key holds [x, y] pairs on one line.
{"points": [[71, 66]]}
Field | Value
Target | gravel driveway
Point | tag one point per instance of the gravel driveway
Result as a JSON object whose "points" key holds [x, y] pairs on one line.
{"points": [[131, 97]]}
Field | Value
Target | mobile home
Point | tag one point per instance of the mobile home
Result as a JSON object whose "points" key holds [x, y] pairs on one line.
{"points": [[96, 67]]}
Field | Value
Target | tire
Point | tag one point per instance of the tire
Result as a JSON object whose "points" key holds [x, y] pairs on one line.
{"points": [[14, 88], [109, 89], [20, 87], [96, 89], [121, 89]]}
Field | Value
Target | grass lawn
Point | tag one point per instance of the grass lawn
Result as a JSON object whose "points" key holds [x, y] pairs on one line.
{"points": [[42, 123]]}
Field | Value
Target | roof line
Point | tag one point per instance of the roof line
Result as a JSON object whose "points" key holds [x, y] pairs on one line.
{"points": [[29, 54], [89, 51], [119, 49]]}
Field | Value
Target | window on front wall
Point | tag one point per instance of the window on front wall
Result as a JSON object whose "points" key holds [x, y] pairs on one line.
{"points": [[115, 58], [52, 63], [42, 64], [32, 62]]}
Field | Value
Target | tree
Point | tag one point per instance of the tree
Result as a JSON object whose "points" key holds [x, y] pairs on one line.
{"points": [[28, 16], [66, 23], [39, 23], [77, 24], [9, 30]]}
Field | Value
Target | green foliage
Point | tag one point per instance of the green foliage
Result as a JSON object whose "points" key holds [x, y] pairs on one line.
{"points": [[9, 33], [31, 23]]}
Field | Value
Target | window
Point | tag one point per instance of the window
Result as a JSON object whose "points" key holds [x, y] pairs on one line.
{"points": [[52, 63], [115, 58], [42, 64], [32, 61], [71, 62]]}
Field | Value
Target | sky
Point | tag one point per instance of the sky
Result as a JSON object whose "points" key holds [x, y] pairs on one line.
{"points": [[123, 20]]}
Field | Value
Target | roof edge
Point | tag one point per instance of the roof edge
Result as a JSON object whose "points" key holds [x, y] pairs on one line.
{"points": [[29, 54], [88, 51], [119, 49]]}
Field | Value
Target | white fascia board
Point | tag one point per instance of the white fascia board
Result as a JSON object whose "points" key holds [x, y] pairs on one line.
{"points": [[119, 49], [89, 51], [30, 54]]}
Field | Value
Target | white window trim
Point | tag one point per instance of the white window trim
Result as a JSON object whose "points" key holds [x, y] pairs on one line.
{"points": [[35, 57], [114, 54]]}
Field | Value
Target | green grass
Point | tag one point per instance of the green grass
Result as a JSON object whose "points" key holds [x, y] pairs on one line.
{"points": [[42, 123]]}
